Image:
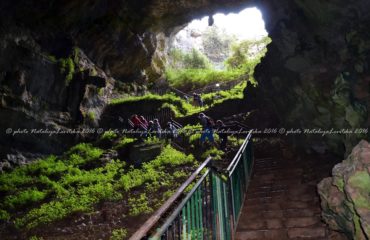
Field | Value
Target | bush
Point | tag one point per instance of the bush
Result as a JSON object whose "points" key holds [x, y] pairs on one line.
{"points": [[193, 59]]}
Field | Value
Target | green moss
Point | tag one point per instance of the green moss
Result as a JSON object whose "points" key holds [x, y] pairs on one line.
{"points": [[67, 67], [339, 182], [124, 142], [360, 180], [4, 215]]}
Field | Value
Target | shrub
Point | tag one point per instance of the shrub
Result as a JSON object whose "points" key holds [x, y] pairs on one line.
{"points": [[193, 59]]}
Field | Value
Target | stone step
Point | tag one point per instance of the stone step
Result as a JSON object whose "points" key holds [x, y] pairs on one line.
{"points": [[277, 234]]}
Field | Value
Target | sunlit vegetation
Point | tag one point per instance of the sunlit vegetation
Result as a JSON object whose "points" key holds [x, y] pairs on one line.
{"points": [[175, 103], [191, 79], [55, 187], [222, 57], [179, 106], [247, 54], [109, 135]]}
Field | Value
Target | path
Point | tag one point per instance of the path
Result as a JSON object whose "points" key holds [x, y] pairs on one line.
{"points": [[282, 202]]}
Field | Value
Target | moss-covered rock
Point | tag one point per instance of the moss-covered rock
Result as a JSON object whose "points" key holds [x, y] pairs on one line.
{"points": [[345, 198]]}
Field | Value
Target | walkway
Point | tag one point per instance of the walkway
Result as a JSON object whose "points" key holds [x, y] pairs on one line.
{"points": [[282, 202]]}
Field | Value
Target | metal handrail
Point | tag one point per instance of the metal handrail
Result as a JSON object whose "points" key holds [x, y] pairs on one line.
{"points": [[179, 208], [146, 227], [234, 162], [212, 208]]}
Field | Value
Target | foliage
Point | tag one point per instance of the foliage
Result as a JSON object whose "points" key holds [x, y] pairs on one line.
{"points": [[153, 140], [210, 99], [68, 187], [82, 154], [190, 79], [247, 54], [118, 234], [4, 215], [124, 142], [23, 198], [67, 67], [108, 135], [194, 59], [139, 205], [177, 104], [215, 153], [216, 43]]}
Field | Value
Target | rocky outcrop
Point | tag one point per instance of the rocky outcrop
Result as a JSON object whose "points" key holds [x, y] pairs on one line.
{"points": [[40, 94], [315, 74], [345, 198]]}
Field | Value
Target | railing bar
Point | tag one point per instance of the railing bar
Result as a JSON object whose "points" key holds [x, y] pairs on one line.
{"points": [[234, 167], [242, 148], [182, 204], [146, 227]]}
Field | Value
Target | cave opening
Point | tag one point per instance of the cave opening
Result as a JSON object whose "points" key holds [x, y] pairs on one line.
{"points": [[217, 54]]}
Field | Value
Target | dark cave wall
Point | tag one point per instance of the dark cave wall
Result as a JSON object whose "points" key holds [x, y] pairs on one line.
{"points": [[316, 74]]}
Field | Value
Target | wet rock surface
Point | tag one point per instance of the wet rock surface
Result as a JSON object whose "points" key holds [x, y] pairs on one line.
{"points": [[345, 198]]}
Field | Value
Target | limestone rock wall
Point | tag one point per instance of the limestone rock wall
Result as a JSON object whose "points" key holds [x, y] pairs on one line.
{"points": [[316, 71], [345, 198]]}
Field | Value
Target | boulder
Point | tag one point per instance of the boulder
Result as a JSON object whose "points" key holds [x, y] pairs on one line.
{"points": [[345, 197]]}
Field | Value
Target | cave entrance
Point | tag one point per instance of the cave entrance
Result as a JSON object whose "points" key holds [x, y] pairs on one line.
{"points": [[217, 54]]}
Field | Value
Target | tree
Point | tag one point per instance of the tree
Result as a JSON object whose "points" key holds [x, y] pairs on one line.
{"points": [[247, 53], [216, 43]]}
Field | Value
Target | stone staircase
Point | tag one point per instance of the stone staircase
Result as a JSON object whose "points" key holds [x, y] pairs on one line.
{"points": [[282, 201]]}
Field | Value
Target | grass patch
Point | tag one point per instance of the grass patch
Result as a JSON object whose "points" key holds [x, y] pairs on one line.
{"points": [[191, 79]]}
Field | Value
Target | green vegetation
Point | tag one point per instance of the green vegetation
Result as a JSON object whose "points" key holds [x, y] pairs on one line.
{"points": [[91, 116], [182, 108], [191, 79], [178, 105], [189, 71], [246, 55], [118, 234], [139, 205], [55, 187], [124, 142], [194, 59], [109, 135], [67, 67], [215, 153]]}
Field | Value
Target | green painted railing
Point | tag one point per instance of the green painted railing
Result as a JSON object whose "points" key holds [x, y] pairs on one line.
{"points": [[211, 209]]}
